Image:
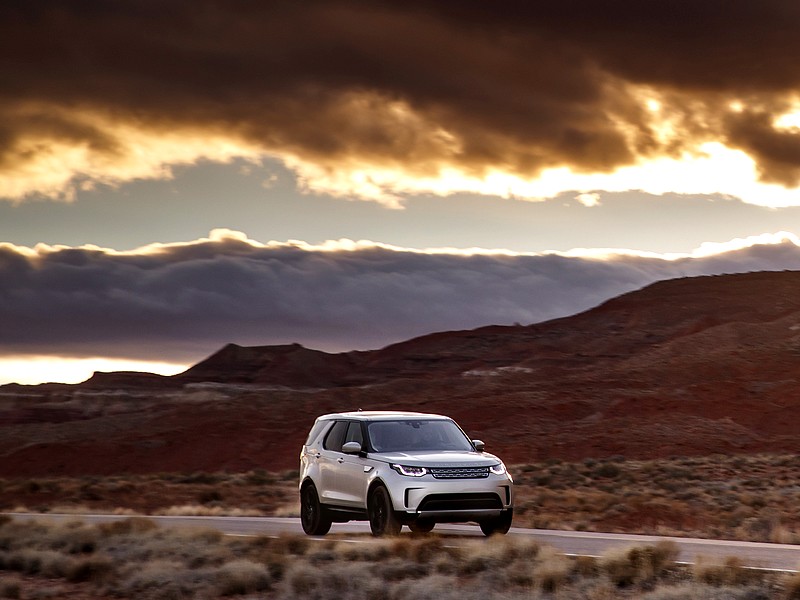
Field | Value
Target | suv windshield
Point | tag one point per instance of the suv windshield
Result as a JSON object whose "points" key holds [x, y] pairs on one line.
{"points": [[433, 435]]}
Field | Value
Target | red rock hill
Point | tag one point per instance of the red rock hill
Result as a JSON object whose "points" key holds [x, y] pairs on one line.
{"points": [[682, 367]]}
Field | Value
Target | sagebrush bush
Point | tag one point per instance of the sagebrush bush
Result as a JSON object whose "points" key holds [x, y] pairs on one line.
{"points": [[133, 525], [10, 589], [552, 570], [730, 572], [626, 566], [242, 577], [159, 580], [699, 591], [791, 587], [92, 568]]}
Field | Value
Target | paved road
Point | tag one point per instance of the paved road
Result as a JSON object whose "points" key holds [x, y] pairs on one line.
{"points": [[755, 554]]}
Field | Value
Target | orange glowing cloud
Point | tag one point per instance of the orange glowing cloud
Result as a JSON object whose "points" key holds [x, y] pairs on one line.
{"points": [[377, 100]]}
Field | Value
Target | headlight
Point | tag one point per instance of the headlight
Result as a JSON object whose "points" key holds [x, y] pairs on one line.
{"points": [[410, 471], [498, 469]]}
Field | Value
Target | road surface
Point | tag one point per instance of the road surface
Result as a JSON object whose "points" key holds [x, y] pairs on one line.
{"points": [[782, 557]]}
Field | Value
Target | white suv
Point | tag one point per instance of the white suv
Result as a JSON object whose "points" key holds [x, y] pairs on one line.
{"points": [[400, 468]]}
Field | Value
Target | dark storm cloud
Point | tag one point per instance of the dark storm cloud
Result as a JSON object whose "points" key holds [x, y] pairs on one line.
{"points": [[508, 85], [180, 301]]}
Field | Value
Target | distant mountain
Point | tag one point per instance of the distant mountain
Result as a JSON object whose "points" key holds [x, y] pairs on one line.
{"points": [[289, 365], [682, 367]]}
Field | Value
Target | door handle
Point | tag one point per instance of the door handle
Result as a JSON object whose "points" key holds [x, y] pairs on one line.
{"points": [[340, 460], [317, 455]]}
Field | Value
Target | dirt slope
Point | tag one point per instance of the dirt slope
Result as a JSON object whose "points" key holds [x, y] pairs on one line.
{"points": [[683, 367]]}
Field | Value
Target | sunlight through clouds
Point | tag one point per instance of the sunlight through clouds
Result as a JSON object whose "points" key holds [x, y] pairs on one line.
{"points": [[110, 152]]}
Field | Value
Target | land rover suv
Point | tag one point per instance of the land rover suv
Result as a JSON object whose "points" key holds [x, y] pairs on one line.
{"points": [[400, 468]]}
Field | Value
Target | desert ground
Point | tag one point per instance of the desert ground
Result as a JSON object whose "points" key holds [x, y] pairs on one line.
{"points": [[671, 411]]}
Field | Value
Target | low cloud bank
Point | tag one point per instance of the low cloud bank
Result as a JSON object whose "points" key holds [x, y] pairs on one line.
{"points": [[177, 302]]}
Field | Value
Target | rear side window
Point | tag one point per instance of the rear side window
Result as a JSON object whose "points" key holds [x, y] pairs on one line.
{"points": [[315, 431], [335, 437]]}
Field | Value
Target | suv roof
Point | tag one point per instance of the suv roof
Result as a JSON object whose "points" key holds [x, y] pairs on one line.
{"points": [[381, 415]]}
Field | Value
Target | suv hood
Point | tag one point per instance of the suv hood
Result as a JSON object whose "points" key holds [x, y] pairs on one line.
{"points": [[438, 459]]}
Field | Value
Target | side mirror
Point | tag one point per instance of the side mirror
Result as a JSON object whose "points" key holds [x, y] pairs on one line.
{"points": [[351, 448], [479, 445]]}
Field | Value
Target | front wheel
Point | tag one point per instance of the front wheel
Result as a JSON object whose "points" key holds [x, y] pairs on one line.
{"points": [[382, 518], [500, 524], [315, 519]]}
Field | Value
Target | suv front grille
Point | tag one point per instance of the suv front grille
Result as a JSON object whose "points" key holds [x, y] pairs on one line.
{"points": [[459, 472]]}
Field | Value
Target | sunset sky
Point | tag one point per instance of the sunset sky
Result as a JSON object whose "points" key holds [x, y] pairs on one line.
{"points": [[180, 174]]}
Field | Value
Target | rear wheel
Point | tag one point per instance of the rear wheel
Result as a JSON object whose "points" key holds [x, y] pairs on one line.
{"points": [[315, 519], [498, 525], [382, 518], [421, 526]]}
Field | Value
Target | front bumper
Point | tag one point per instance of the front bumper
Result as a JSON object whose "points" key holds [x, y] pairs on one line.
{"points": [[452, 499]]}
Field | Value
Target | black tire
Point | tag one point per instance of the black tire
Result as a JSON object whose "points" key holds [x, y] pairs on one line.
{"points": [[421, 526], [313, 516], [498, 525], [382, 518]]}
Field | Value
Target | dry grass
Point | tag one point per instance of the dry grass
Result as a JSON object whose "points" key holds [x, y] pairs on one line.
{"points": [[136, 559], [731, 497], [639, 564], [252, 493]]}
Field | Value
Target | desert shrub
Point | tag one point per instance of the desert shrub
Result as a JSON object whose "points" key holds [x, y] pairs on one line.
{"points": [[354, 581], [495, 552], [75, 538], [89, 569], [586, 566], [90, 492], [209, 496], [277, 553], [791, 587], [193, 549], [520, 572], [428, 548], [689, 591], [199, 510], [159, 580], [730, 572], [259, 477], [32, 486], [626, 566], [376, 551], [242, 577], [10, 589], [552, 570], [284, 543], [441, 587], [396, 569], [45, 563], [204, 478], [607, 470]]}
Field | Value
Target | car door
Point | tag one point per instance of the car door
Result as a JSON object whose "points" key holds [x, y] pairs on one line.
{"points": [[329, 464], [355, 469], [342, 475]]}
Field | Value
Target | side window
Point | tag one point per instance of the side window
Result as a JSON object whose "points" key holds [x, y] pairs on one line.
{"points": [[335, 437], [354, 433], [315, 431]]}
